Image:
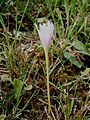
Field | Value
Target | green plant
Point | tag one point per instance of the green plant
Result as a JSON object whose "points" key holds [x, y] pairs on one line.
{"points": [[46, 35]]}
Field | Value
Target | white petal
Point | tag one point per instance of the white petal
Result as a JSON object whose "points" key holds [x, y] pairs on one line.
{"points": [[45, 33]]}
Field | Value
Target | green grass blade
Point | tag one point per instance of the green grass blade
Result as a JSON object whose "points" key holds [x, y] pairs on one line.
{"points": [[73, 3]]}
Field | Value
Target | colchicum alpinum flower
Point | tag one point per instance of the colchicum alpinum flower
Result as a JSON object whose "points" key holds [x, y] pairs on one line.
{"points": [[45, 32]]}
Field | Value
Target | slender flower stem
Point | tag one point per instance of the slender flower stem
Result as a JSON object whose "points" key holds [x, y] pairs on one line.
{"points": [[47, 68]]}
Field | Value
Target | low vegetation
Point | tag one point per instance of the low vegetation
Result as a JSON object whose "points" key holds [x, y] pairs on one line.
{"points": [[23, 83]]}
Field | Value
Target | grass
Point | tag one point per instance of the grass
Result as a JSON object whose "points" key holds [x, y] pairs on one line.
{"points": [[23, 91]]}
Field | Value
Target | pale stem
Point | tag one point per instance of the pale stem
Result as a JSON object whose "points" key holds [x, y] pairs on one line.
{"points": [[47, 68]]}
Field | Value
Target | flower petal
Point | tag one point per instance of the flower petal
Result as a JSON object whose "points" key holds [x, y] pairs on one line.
{"points": [[45, 32]]}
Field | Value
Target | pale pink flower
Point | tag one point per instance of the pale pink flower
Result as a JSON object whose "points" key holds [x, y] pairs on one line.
{"points": [[45, 32]]}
